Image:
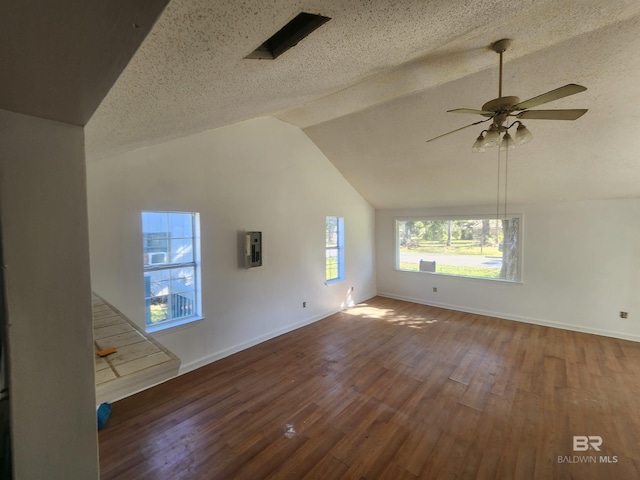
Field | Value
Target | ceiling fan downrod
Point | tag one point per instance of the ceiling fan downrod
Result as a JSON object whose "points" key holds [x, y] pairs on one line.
{"points": [[500, 47]]}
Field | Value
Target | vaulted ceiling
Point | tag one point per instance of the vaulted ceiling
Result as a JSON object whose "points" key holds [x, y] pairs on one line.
{"points": [[371, 85]]}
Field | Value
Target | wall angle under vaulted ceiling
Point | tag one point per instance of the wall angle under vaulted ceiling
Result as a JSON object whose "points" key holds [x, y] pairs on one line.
{"points": [[60, 59]]}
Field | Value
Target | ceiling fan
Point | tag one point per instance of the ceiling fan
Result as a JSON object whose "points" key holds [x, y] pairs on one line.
{"points": [[500, 109]]}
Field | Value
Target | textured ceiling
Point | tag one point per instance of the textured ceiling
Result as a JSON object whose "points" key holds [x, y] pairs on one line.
{"points": [[372, 84]]}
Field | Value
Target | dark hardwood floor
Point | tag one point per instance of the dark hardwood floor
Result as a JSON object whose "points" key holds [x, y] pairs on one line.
{"points": [[391, 390]]}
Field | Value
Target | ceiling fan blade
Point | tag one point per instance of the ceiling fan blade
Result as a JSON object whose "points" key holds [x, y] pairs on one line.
{"points": [[552, 114], [471, 110], [556, 94], [458, 129]]}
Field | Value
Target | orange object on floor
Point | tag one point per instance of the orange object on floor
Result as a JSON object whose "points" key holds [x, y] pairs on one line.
{"points": [[106, 351]]}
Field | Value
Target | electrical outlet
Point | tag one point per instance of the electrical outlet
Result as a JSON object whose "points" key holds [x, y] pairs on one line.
{"points": [[304, 304], [435, 289], [624, 314]]}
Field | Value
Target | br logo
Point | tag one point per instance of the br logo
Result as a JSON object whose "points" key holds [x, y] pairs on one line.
{"points": [[582, 443]]}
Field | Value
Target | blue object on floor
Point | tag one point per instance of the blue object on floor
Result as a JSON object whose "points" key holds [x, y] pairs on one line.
{"points": [[104, 410]]}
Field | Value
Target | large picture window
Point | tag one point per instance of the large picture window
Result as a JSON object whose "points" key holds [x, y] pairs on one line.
{"points": [[470, 247], [334, 240], [171, 267]]}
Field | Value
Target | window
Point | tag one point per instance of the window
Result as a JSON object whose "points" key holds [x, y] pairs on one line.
{"points": [[171, 246], [335, 249], [472, 247]]}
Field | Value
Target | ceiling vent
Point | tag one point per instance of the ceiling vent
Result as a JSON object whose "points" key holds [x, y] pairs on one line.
{"points": [[288, 36]]}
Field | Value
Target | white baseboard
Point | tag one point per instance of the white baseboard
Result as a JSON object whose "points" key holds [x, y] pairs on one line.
{"points": [[185, 368], [518, 318], [188, 367]]}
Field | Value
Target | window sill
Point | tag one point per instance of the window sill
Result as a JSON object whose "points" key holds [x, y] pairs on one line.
{"points": [[483, 279], [175, 323]]}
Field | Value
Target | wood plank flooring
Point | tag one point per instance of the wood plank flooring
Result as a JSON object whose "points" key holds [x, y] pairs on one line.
{"points": [[391, 390]]}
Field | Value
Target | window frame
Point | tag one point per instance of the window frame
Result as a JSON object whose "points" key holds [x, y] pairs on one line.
{"points": [[339, 248], [194, 263], [479, 217]]}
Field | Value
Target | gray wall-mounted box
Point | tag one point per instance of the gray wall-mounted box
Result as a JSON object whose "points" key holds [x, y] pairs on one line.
{"points": [[253, 249]]}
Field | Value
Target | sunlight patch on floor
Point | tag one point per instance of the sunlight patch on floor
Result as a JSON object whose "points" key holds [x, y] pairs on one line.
{"points": [[412, 321], [364, 310]]}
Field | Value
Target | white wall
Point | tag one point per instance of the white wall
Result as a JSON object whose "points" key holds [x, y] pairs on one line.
{"points": [[260, 175], [581, 267], [48, 298]]}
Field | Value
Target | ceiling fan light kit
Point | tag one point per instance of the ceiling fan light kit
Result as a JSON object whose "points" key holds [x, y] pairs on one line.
{"points": [[492, 137], [478, 145], [523, 135], [500, 109], [507, 143]]}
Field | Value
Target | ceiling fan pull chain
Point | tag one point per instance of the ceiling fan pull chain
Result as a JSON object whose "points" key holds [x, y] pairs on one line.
{"points": [[506, 178], [498, 190], [500, 79]]}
